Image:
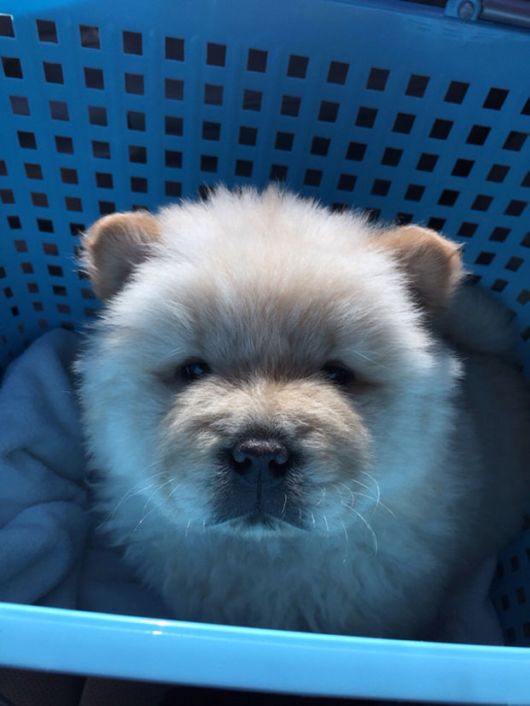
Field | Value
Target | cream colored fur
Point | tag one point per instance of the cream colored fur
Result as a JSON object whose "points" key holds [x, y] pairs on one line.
{"points": [[406, 482]]}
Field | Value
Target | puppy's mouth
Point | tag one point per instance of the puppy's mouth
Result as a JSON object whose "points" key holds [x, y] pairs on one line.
{"points": [[258, 485]]}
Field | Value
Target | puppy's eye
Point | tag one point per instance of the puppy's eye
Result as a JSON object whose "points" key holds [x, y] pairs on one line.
{"points": [[338, 374], [193, 370]]}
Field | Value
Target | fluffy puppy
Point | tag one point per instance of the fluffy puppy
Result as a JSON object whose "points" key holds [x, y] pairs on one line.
{"points": [[282, 439]]}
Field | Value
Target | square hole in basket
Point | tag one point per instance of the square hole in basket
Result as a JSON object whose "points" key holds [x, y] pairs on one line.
{"points": [[436, 223], [174, 89], [12, 67], [137, 154], [257, 60], [284, 141], [356, 151], [27, 140], [21, 246], [53, 73], [526, 181], [213, 94], [498, 173], [440, 129], [366, 117], [7, 196], [515, 208], [499, 234], [448, 197], [106, 207], [14, 222], [39, 199], [69, 176], [173, 159], [73, 203], [514, 263], [380, 187], [19, 105], [45, 225], [377, 79], [173, 126], [312, 177], [403, 219], [104, 180], [462, 167], [248, 135], [427, 162], [495, 98], [526, 108], [209, 163], [3, 168], [251, 100], [211, 131], [482, 202], [297, 66], [278, 172], [89, 36], [136, 120], [101, 149], [403, 123], [97, 115], [139, 185], [328, 111], [414, 192], [33, 171], [50, 249], [478, 135], [173, 188], [290, 106], [499, 285], [456, 92], [59, 110], [417, 86], [244, 167], [7, 28], [320, 146], [346, 182], [337, 72], [391, 156], [216, 54], [134, 84], [515, 141], [174, 49], [94, 78], [485, 258], [47, 31], [132, 43], [64, 145], [524, 297]]}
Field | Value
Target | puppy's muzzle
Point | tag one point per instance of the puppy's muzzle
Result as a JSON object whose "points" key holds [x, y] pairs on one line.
{"points": [[258, 475]]}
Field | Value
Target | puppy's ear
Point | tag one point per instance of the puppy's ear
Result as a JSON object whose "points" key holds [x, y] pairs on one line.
{"points": [[114, 245], [432, 263]]}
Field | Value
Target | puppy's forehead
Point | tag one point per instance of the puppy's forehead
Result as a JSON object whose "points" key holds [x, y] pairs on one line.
{"points": [[279, 316]]}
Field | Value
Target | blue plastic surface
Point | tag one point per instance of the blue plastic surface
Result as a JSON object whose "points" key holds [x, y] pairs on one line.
{"points": [[267, 660], [388, 106]]}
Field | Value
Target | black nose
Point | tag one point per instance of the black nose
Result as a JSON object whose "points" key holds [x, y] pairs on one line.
{"points": [[265, 459]]}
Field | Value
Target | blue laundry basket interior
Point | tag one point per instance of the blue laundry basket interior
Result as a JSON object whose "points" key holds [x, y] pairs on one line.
{"points": [[385, 106]]}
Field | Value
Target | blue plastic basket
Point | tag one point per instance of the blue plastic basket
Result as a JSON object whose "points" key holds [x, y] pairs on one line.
{"points": [[391, 106]]}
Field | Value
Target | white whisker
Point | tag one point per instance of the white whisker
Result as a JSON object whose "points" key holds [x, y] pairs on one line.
{"points": [[282, 513], [367, 525], [346, 542]]}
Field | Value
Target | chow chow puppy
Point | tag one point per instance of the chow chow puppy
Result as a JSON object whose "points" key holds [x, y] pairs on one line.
{"points": [[285, 439]]}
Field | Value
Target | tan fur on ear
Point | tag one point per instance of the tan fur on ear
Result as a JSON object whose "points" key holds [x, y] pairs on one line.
{"points": [[114, 245], [432, 262]]}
